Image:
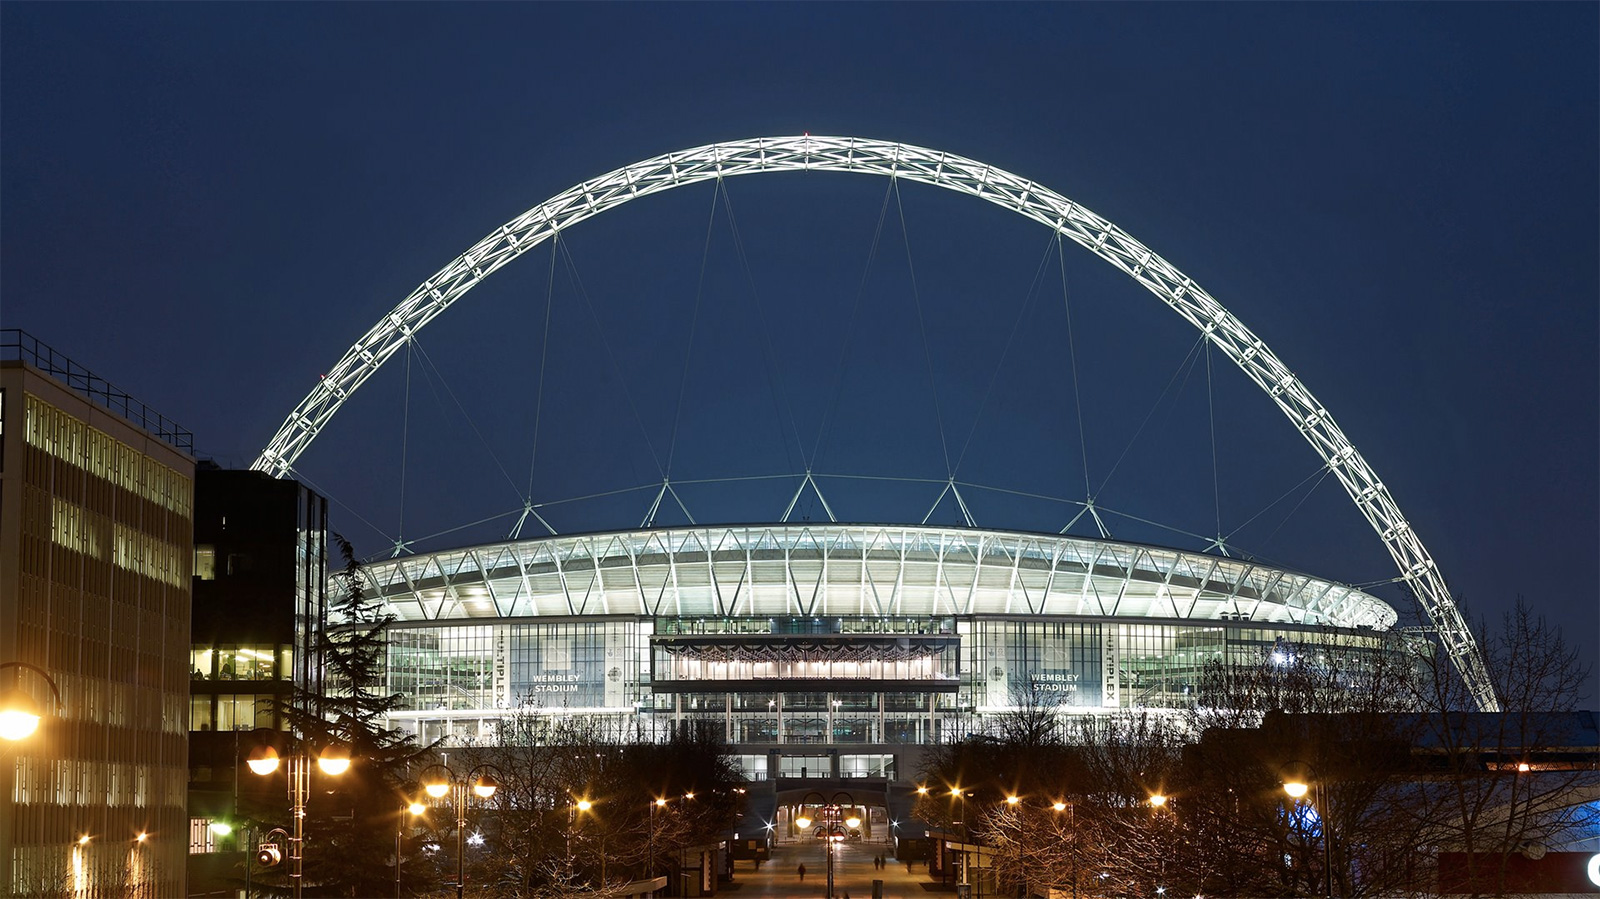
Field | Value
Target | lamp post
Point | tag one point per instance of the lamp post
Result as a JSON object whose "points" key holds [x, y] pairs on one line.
{"points": [[832, 812], [1297, 787], [576, 807], [439, 780], [19, 714], [966, 831], [1072, 839], [334, 760], [650, 867], [414, 809]]}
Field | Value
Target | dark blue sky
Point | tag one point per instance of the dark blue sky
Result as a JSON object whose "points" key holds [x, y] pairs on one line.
{"points": [[208, 204]]}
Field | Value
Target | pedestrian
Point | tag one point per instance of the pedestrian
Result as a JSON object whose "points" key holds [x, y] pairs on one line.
{"points": [[802, 872]]}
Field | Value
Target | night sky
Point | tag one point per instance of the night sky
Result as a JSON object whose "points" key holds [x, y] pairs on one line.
{"points": [[208, 204]]}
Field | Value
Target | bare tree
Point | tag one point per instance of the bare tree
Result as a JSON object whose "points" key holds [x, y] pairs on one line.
{"points": [[1499, 784]]}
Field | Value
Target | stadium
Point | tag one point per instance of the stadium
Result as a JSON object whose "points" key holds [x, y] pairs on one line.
{"points": [[826, 649], [834, 651]]}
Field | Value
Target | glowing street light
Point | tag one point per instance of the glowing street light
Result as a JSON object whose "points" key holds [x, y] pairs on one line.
{"points": [[415, 809], [438, 780], [334, 761], [19, 714], [1297, 788]]}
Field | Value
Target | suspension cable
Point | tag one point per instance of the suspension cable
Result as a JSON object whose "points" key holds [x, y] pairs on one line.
{"points": [[1016, 325], [694, 323], [301, 476], [780, 398], [1322, 470], [577, 284], [1327, 470], [1072, 357], [1211, 414], [544, 359], [427, 363], [850, 328], [405, 439], [922, 327], [1187, 364]]}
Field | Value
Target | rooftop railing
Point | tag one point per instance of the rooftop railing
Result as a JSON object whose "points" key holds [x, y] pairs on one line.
{"points": [[18, 345]]}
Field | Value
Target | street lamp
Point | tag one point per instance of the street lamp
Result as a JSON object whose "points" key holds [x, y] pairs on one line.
{"points": [[414, 809], [1296, 786], [960, 794], [660, 802], [833, 815], [19, 714], [438, 780], [334, 760]]}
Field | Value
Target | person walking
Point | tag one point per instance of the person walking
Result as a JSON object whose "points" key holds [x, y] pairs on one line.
{"points": [[802, 870]]}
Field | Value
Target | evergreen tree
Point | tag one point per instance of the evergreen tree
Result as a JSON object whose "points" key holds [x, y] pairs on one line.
{"points": [[351, 819]]}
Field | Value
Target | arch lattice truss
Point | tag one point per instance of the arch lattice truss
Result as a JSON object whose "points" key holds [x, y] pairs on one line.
{"points": [[940, 169]]}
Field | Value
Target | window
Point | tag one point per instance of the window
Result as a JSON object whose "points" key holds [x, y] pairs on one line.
{"points": [[245, 662], [244, 711], [200, 837], [200, 714], [200, 664], [205, 562]]}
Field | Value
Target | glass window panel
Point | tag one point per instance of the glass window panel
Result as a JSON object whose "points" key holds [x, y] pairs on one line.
{"points": [[200, 716]]}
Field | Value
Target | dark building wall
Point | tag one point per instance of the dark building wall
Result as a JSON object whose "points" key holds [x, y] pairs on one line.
{"points": [[250, 524], [260, 587]]}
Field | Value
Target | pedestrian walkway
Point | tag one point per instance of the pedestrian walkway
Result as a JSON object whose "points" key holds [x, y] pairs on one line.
{"points": [[853, 873]]}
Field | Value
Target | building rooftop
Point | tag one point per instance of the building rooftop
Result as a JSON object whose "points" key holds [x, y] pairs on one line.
{"points": [[17, 345]]}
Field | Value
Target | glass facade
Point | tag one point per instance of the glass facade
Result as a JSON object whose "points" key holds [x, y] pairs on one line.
{"points": [[94, 589], [778, 682], [831, 651]]}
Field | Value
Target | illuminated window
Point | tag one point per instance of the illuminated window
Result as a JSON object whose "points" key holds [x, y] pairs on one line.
{"points": [[200, 714], [205, 563], [201, 839]]}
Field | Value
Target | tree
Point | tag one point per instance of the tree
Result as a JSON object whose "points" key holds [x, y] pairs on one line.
{"points": [[1503, 784], [351, 822], [540, 842]]}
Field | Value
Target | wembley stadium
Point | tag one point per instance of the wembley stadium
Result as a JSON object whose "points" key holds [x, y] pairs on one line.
{"points": [[836, 650], [829, 649]]}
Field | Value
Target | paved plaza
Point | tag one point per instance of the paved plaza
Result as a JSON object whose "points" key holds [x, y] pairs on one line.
{"points": [[853, 873]]}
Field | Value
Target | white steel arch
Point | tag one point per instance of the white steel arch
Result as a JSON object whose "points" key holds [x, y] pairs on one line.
{"points": [[940, 169]]}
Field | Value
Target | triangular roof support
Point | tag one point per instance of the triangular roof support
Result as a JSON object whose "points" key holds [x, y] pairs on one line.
{"points": [[815, 488]]}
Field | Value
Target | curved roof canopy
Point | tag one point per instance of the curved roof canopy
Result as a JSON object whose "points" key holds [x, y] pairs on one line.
{"points": [[843, 570]]}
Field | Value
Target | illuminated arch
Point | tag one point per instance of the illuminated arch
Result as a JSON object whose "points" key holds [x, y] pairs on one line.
{"points": [[946, 170]]}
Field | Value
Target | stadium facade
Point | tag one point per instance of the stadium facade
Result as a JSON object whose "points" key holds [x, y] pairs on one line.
{"points": [[832, 650]]}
